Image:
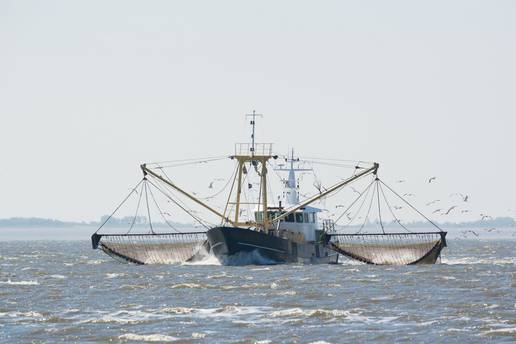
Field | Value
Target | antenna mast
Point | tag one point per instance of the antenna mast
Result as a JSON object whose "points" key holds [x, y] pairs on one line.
{"points": [[253, 124]]}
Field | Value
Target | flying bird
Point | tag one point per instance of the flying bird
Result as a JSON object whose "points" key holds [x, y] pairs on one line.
{"points": [[431, 179], [464, 211], [355, 190], [211, 185], [484, 216], [433, 202], [490, 229], [472, 232], [449, 210], [339, 206], [408, 194], [397, 207], [400, 181], [436, 211], [166, 213]]}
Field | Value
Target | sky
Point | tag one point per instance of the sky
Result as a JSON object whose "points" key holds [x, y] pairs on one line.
{"points": [[91, 89]]}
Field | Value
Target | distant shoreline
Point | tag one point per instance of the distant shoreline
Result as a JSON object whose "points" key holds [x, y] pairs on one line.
{"points": [[34, 222]]}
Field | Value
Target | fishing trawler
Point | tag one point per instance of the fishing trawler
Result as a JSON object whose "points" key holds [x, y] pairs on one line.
{"points": [[290, 231]]}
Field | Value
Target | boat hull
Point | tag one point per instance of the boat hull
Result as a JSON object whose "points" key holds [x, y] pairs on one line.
{"points": [[241, 246]]}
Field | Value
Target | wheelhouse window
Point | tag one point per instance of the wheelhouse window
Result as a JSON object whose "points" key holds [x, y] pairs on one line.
{"points": [[290, 218], [258, 216], [299, 217]]}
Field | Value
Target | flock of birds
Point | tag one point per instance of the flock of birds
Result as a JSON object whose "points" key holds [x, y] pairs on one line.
{"points": [[464, 199], [447, 211]]}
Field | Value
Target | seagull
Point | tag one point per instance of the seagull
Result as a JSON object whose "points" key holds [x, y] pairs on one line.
{"points": [[211, 185], [473, 232], [166, 213], [464, 211], [355, 190], [408, 194], [449, 210], [434, 201], [431, 179], [484, 216], [490, 229], [400, 181], [397, 207], [339, 206], [436, 211], [349, 217]]}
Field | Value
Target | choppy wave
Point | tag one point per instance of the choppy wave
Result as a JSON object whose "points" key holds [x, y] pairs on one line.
{"points": [[478, 260], [57, 276], [9, 282], [501, 331], [147, 337]]}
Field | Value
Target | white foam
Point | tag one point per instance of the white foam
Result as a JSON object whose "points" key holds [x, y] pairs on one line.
{"points": [[30, 314], [113, 275], [9, 282], [125, 317], [148, 337], [58, 276], [186, 286], [178, 310], [508, 330], [207, 260]]}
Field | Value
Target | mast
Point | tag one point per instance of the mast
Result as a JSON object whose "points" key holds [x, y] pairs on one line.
{"points": [[256, 155], [373, 170]]}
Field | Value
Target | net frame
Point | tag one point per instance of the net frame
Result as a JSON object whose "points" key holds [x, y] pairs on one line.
{"points": [[398, 248], [152, 248]]}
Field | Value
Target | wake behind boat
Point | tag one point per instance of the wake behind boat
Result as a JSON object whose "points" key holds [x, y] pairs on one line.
{"points": [[258, 228]]}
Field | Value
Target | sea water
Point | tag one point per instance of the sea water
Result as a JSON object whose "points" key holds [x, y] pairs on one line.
{"points": [[63, 291]]}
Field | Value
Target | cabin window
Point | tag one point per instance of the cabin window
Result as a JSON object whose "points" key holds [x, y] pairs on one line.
{"points": [[305, 218], [259, 216], [299, 217], [289, 218], [312, 217]]}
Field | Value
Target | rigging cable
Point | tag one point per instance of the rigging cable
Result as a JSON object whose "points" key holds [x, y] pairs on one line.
{"points": [[178, 200], [194, 160], [410, 205], [148, 208], [379, 207], [118, 207], [353, 203], [137, 210], [180, 206], [392, 212], [161, 212], [367, 215]]}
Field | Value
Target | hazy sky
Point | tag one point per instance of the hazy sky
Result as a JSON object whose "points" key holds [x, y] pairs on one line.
{"points": [[90, 89]]}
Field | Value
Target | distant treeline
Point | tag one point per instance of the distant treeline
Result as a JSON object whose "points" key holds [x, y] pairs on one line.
{"points": [[502, 222], [113, 222]]}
